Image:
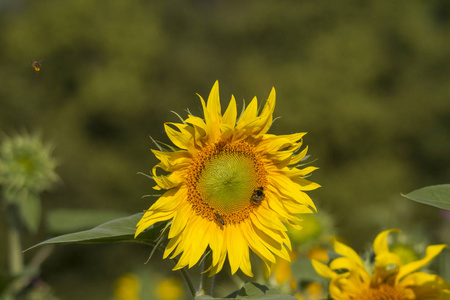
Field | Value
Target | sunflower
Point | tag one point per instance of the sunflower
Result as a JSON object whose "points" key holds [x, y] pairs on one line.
{"points": [[230, 187], [388, 279]]}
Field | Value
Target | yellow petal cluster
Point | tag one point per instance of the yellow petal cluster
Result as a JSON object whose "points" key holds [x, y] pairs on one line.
{"points": [[196, 225], [389, 279]]}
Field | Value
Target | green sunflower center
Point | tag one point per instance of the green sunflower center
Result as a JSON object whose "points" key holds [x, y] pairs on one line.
{"points": [[227, 183]]}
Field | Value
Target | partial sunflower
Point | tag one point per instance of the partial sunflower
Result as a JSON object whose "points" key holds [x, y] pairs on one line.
{"points": [[388, 278], [230, 187]]}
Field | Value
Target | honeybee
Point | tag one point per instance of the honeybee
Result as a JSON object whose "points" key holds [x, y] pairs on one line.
{"points": [[219, 219], [258, 195], [36, 65]]}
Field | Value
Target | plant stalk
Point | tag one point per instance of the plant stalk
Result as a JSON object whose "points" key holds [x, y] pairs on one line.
{"points": [[15, 256], [206, 282], [186, 278]]}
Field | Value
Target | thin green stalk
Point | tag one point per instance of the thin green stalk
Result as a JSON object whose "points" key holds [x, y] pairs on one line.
{"points": [[186, 278], [184, 274], [15, 256], [206, 282]]}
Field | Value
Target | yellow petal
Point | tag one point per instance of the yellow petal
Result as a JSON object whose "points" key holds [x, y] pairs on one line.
{"points": [[273, 143], [216, 244], [273, 246], [431, 252], [173, 242], [295, 159], [249, 114], [198, 237], [273, 233], [245, 265], [197, 122], [180, 220], [305, 185], [154, 218], [214, 269], [255, 243], [322, 269], [268, 218], [427, 286], [296, 208], [229, 118], [380, 244], [182, 261], [356, 271], [183, 139], [172, 161], [275, 204], [212, 112], [346, 251], [170, 200], [289, 189], [236, 246], [213, 105], [267, 112]]}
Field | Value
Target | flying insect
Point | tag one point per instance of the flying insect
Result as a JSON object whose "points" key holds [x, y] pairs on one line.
{"points": [[36, 65]]}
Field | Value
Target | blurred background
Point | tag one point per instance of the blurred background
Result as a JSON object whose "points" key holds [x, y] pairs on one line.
{"points": [[369, 82]]}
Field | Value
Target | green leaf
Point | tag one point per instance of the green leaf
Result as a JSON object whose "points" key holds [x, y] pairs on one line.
{"points": [[435, 195], [60, 221], [253, 290], [119, 230]]}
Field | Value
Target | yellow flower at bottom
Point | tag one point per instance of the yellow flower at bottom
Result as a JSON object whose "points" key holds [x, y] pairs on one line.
{"points": [[391, 279], [313, 291], [169, 289], [127, 287], [132, 286], [231, 187]]}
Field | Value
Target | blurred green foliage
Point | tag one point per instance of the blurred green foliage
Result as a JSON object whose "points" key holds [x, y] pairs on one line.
{"points": [[367, 80]]}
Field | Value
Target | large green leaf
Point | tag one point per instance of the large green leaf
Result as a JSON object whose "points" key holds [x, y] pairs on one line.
{"points": [[119, 230], [435, 195], [61, 221]]}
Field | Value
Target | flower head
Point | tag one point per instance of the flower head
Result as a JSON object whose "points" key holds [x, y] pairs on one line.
{"points": [[389, 278], [26, 166], [231, 187]]}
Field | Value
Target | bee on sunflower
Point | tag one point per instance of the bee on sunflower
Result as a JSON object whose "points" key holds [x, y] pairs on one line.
{"points": [[230, 187]]}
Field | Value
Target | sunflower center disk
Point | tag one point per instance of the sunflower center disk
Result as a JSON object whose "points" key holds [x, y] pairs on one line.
{"points": [[227, 183]]}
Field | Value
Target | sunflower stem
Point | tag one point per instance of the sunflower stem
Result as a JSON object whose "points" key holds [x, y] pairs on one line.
{"points": [[15, 256], [188, 281], [206, 282], [186, 278]]}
